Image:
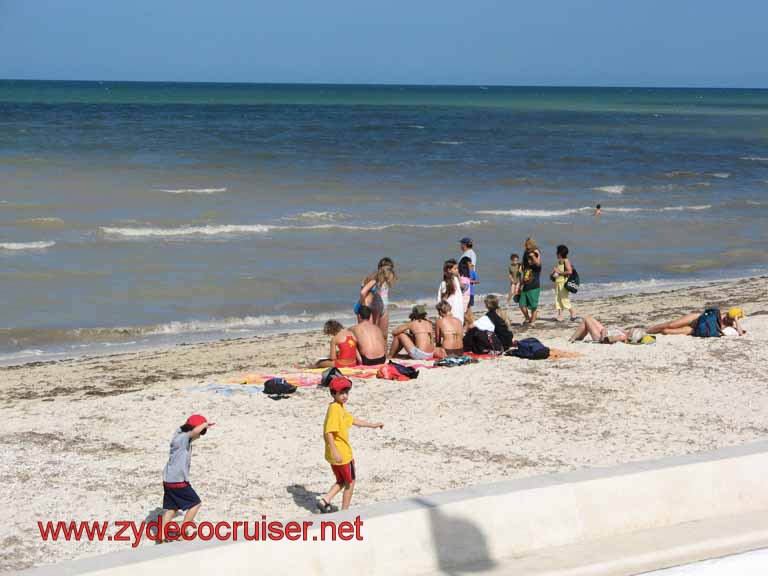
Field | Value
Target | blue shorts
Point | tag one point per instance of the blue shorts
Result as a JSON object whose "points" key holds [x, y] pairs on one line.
{"points": [[179, 496], [471, 300]]}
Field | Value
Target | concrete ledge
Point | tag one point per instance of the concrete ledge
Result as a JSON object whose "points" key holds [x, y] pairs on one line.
{"points": [[638, 552], [655, 514]]}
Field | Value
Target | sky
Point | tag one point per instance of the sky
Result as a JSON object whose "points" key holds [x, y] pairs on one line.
{"points": [[703, 43]]}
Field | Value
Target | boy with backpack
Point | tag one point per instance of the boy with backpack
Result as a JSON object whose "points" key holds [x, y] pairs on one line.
{"points": [[338, 451]]}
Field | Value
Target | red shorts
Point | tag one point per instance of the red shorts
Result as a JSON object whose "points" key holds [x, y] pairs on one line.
{"points": [[345, 473]]}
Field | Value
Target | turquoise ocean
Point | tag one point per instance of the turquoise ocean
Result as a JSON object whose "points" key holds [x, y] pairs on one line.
{"points": [[138, 214]]}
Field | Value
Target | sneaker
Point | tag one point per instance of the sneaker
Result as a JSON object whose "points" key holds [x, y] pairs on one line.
{"points": [[324, 506]]}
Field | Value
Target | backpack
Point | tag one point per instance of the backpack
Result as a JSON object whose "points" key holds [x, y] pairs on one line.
{"points": [[530, 349], [390, 372], [408, 371], [572, 284], [328, 375], [708, 324], [482, 342], [278, 387]]}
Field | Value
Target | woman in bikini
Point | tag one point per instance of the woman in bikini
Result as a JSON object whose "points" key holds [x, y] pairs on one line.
{"points": [[344, 350], [416, 337], [374, 293], [599, 332], [448, 332]]}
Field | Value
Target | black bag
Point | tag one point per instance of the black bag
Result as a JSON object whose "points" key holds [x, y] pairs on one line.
{"points": [[573, 282], [530, 349], [408, 371], [328, 375], [482, 342], [278, 387]]}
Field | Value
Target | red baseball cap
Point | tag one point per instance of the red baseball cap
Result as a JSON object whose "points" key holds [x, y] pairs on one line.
{"points": [[340, 383], [196, 419]]}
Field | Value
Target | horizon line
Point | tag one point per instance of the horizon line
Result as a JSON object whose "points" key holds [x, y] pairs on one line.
{"points": [[383, 84]]}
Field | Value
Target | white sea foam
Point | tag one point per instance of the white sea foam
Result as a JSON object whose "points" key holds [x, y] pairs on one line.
{"points": [[416, 126], [314, 216], [195, 191], [245, 229], [535, 213], [621, 210], [755, 158], [26, 245], [448, 142], [720, 175], [685, 208], [42, 220], [618, 189], [240, 324], [209, 230]]}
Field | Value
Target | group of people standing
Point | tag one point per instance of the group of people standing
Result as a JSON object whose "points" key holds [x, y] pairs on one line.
{"points": [[366, 342], [525, 281]]}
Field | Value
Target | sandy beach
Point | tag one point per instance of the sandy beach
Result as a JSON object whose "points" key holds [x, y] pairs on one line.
{"points": [[86, 439]]}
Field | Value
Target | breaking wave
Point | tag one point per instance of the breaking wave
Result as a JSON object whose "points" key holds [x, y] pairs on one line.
{"points": [[26, 245]]}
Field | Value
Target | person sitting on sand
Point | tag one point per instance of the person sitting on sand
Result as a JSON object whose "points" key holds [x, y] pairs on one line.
{"points": [[599, 332], [501, 322], [448, 332], [686, 325], [416, 336], [343, 347], [370, 342]]}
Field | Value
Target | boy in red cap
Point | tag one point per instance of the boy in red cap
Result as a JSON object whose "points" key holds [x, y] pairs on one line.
{"points": [[178, 493], [338, 452]]}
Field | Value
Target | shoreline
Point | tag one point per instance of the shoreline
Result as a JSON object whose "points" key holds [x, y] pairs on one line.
{"points": [[273, 326], [86, 438]]}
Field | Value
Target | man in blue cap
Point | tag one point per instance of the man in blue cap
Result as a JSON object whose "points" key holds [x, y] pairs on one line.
{"points": [[466, 250]]}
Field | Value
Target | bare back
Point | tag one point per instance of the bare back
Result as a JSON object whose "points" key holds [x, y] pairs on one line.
{"points": [[450, 335], [423, 334], [370, 341]]}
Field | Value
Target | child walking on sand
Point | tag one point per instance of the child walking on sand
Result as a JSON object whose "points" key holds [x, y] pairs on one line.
{"points": [[338, 452], [514, 276], [178, 493]]}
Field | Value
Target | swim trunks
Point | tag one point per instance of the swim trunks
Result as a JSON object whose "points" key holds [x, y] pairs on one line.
{"points": [[373, 361], [344, 473], [179, 496], [530, 298]]}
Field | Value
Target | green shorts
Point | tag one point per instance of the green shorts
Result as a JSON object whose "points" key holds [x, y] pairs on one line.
{"points": [[530, 298]]}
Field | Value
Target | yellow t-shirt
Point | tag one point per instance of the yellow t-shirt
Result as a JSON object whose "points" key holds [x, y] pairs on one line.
{"points": [[338, 421]]}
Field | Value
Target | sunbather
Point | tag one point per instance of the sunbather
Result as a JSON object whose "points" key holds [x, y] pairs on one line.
{"points": [[599, 332], [686, 325]]}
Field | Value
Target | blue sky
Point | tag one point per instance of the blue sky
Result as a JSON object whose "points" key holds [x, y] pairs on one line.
{"points": [[511, 42]]}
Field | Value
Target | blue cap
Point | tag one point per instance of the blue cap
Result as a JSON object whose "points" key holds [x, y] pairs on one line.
{"points": [[465, 240]]}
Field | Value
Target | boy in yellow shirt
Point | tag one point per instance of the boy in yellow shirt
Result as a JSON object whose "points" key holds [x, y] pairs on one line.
{"points": [[338, 452]]}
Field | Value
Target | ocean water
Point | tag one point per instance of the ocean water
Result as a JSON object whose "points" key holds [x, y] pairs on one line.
{"points": [[138, 213]]}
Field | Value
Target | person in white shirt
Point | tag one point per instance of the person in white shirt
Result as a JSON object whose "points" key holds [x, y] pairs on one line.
{"points": [[466, 250]]}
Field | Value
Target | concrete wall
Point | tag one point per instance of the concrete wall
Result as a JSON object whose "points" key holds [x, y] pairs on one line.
{"points": [[481, 525]]}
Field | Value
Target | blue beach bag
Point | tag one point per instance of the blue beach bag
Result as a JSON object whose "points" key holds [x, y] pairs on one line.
{"points": [[530, 349], [708, 324]]}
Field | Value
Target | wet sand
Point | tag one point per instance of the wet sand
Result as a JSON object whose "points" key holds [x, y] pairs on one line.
{"points": [[86, 439]]}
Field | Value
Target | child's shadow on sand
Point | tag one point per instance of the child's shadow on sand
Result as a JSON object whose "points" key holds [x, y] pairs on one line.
{"points": [[305, 498]]}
